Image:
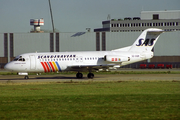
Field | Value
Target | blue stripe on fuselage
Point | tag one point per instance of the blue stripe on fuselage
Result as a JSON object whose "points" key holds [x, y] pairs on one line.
{"points": [[49, 66], [58, 66]]}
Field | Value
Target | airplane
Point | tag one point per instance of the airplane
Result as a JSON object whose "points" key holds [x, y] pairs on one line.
{"points": [[140, 50]]}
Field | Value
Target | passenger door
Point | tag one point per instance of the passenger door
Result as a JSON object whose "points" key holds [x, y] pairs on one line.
{"points": [[32, 62]]}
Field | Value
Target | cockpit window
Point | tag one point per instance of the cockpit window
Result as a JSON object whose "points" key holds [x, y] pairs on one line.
{"points": [[16, 59], [19, 59]]}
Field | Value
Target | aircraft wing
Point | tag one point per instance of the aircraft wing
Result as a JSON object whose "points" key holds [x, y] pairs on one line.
{"points": [[89, 67]]}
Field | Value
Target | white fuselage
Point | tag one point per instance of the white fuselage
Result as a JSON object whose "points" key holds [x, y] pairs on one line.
{"points": [[62, 61]]}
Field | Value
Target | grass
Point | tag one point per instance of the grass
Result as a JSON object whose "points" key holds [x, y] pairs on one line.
{"points": [[91, 100]]}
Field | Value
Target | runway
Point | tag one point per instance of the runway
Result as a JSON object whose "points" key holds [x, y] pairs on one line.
{"points": [[98, 77]]}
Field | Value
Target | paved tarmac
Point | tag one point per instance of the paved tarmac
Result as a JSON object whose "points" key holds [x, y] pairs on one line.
{"points": [[98, 77]]}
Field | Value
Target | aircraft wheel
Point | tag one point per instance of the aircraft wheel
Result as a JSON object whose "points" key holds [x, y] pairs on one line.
{"points": [[26, 77], [90, 75], [79, 75]]}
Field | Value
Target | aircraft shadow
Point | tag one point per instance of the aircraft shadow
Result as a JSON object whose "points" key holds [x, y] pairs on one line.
{"points": [[44, 77], [58, 77]]}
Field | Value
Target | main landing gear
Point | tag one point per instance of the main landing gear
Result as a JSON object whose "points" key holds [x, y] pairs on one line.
{"points": [[80, 75], [90, 75]]}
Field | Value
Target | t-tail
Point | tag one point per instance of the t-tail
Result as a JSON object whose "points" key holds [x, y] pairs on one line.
{"points": [[146, 41]]}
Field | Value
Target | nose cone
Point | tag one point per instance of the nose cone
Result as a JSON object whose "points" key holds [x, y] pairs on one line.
{"points": [[7, 67]]}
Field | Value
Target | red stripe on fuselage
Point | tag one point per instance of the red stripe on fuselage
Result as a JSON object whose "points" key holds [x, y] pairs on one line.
{"points": [[47, 66], [52, 66], [44, 67]]}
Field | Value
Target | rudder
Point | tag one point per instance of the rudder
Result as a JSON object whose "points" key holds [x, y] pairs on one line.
{"points": [[146, 41]]}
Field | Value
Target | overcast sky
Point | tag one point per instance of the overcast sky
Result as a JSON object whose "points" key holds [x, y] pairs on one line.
{"points": [[73, 15]]}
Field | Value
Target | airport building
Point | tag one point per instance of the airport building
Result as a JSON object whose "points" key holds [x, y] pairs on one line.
{"points": [[166, 20], [114, 34]]}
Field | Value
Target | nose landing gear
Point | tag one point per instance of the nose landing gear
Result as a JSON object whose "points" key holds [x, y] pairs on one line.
{"points": [[26, 77], [23, 73]]}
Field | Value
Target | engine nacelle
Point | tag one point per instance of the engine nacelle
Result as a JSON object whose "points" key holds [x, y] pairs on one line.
{"points": [[115, 58]]}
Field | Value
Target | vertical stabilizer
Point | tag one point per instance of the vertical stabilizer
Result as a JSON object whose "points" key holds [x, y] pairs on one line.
{"points": [[146, 41]]}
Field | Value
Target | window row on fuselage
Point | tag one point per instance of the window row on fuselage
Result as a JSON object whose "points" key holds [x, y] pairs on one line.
{"points": [[71, 59]]}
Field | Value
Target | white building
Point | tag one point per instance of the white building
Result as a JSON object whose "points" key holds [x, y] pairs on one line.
{"points": [[166, 20], [170, 14]]}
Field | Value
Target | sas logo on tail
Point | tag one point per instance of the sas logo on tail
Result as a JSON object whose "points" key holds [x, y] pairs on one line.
{"points": [[147, 42]]}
